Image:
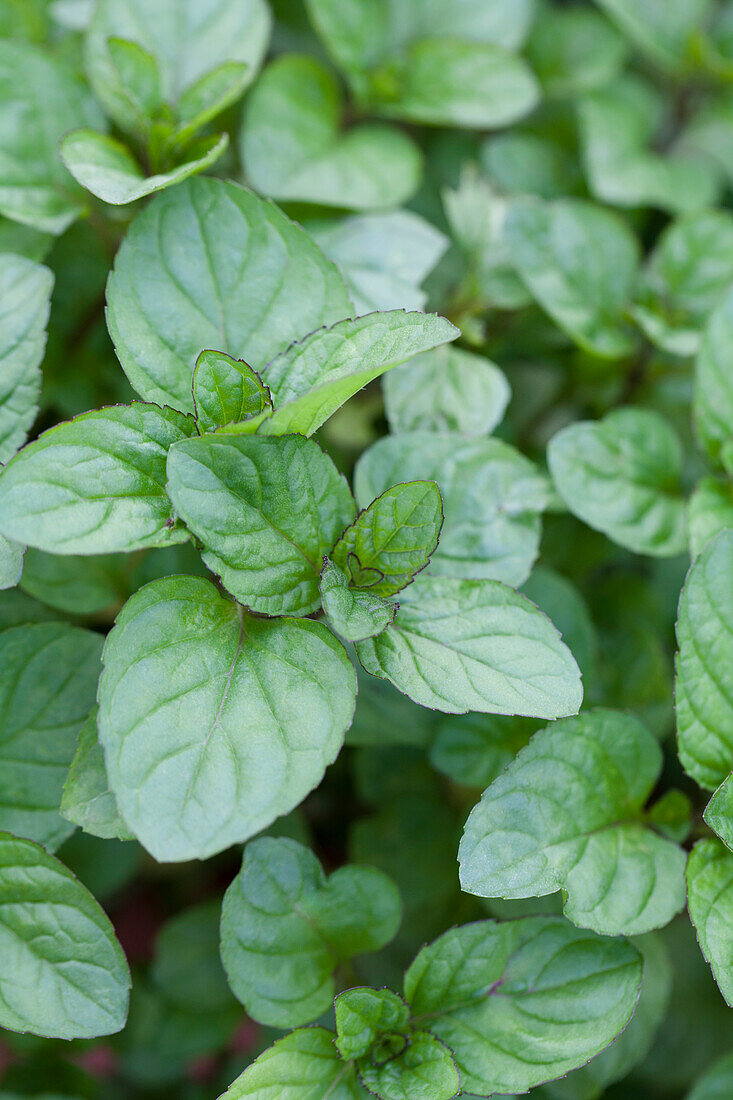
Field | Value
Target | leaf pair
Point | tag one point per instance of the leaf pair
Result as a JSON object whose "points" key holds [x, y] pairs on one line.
{"points": [[567, 813], [466, 997], [162, 77]]}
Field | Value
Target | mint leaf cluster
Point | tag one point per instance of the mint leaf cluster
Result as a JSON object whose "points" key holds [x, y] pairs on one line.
{"points": [[366, 549]]}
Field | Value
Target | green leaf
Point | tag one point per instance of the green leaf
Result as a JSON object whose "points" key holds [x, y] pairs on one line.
{"points": [[392, 540], [248, 282], [418, 1067], [473, 749], [704, 665], [87, 799], [710, 902], [64, 974], [574, 51], [79, 584], [492, 499], [661, 32], [518, 162], [226, 391], [109, 170], [446, 390], [95, 484], [684, 279], [719, 812], [709, 511], [293, 148], [358, 34], [352, 612], [716, 1082], [48, 678], [494, 993], [185, 40], [268, 509], [23, 240], [568, 814], [281, 895], [213, 722], [477, 218], [620, 163], [304, 1065], [209, 96], [713, 405], [139, 75], [620, 475], [363, 1014], [187, 959], [43, 99], [384, 257], [11, 563], [25, 299], [579, 262], [449, 82], [315, 376], [460, 645]]}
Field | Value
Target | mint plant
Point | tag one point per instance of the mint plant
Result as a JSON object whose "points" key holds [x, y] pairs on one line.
{"points": [[366, 550]]}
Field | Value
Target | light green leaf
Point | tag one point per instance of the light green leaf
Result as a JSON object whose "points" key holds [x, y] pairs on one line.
{"points": [[519, 162], [579, 262], [95, 484], [268, 510], [493, 991], [704, 683], [315, 376], [447, 390], [359, 35], [719, 812], [304, 1065], [362, 1014], [186, 39], [620, 475], [209, 96], [492, 499], [660, 31], [461, 645], [717, 1081], [87, 800], [713, 406], [685, 277], [43, 99], [352, 612], [473, 749], [477, 215], [574, 51], [293, 148], [109, 170], [25, 299], [281, 895], [226, 391], [709, 511], [384, 257], [64, 974], [48, 678], [589, 1081], [392, 540], [11, 563], [623, 169], [213, 722], [449, 82], [568, 814], [710, 902], [418, 1067], [248, 282]]}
